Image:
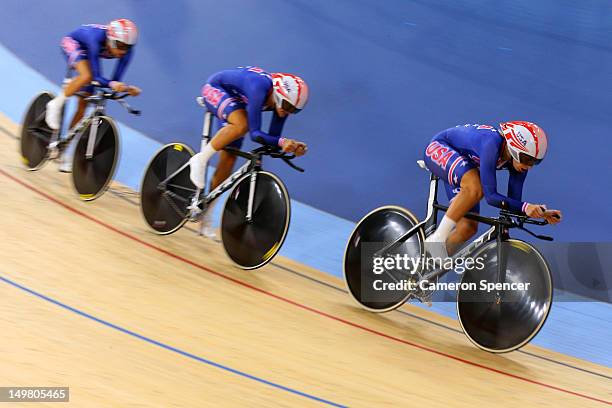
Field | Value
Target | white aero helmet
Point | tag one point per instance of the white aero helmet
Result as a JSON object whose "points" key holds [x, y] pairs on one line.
{"points": [[290, 92], [526, 141], [123, 31]]}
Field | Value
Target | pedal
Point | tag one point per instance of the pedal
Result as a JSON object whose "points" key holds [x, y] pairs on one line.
{"points": [[195, 211], [425, 298], [423, 295], [54, 150]]}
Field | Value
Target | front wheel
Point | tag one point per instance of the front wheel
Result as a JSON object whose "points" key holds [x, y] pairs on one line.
{"points": [[253, 243], [363, 276], [92, 175], [166, 192], [500, 321], [35, 134]]}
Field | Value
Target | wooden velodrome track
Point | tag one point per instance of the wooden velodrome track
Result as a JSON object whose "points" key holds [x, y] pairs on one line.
{"points": [[94, 301]]}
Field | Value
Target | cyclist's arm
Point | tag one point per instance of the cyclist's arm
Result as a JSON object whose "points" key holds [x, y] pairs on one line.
{"points": [[488, 178], [94, 63], [276, 124], [122, 65], [515, 184], [257, 99]]}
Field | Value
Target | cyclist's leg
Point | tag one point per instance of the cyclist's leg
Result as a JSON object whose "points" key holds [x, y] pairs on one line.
{"points": [[82, 79], [80, 112], [466, 198], [225, 165], [465, 227], [65, 161], [468, 195], [224, 169], [77, 59], [234, 124], [232, 135], [460, 176], [464, 230], [234, 128]]}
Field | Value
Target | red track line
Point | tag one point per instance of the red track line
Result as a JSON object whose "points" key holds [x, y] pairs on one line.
{"points": [[292, 302]]}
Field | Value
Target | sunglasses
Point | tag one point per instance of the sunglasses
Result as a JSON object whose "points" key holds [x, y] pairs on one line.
{"points": [[528, 160], [122, 46], [289, 108]]}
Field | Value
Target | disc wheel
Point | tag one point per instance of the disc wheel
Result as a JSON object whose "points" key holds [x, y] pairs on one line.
{"points": [[163, 201], [252, 244], [500, 325], [91, 176], [35, 134], [377, 229]]}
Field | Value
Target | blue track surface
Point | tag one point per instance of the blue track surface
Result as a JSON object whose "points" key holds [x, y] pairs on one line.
{"points": [[384, 75]]}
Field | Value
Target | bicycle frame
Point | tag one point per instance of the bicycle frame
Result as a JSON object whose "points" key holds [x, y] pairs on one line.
{"points": [[429, 224], [98, 110], [252, 166]]}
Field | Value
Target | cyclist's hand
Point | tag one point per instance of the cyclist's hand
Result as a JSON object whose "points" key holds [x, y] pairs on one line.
{"points": [[300, 149], [293, 146], [552, 216], [535, 210], [119, 86], [133, 90], [289, 145]]}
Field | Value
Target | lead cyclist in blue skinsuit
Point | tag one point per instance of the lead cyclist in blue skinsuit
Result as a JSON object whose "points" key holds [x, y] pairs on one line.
{"points": [[83, 49], [238, 97], [466, 158]]}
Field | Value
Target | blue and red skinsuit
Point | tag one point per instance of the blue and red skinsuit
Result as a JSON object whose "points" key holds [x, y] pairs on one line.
{"points": [[245, 88], [88, 42], [452, 152]]}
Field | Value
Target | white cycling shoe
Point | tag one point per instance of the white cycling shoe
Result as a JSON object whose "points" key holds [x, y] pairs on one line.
{"points": [[53, 114], [196, 170], [435, 248], [65, 163], [206, 227]]}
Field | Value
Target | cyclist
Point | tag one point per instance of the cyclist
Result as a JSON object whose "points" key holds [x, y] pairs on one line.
{"points": [[83, 49], [237, 97], [466, 158]]}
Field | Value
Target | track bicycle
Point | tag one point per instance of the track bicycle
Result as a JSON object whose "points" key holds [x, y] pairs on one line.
{"points": [[257, 211], [498, 320], [97, 141]]}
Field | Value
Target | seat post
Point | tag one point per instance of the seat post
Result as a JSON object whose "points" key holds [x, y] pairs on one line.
{"points": [[431, 219], [432, 201], [206, 129]]}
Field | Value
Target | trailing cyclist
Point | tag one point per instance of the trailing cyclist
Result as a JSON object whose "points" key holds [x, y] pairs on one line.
{"points": [[83, 49]]}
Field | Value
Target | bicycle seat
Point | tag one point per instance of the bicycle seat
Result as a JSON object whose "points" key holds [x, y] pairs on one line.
{"points": [[422, 165]]}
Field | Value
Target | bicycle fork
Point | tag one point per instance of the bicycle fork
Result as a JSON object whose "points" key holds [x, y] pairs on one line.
{"points": [[501, 263], [91, 142], [252, 185]]}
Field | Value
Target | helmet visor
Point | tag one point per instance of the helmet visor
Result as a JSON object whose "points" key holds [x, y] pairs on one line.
{"points": [[121, 46], [528, 160], [289, 108]]}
